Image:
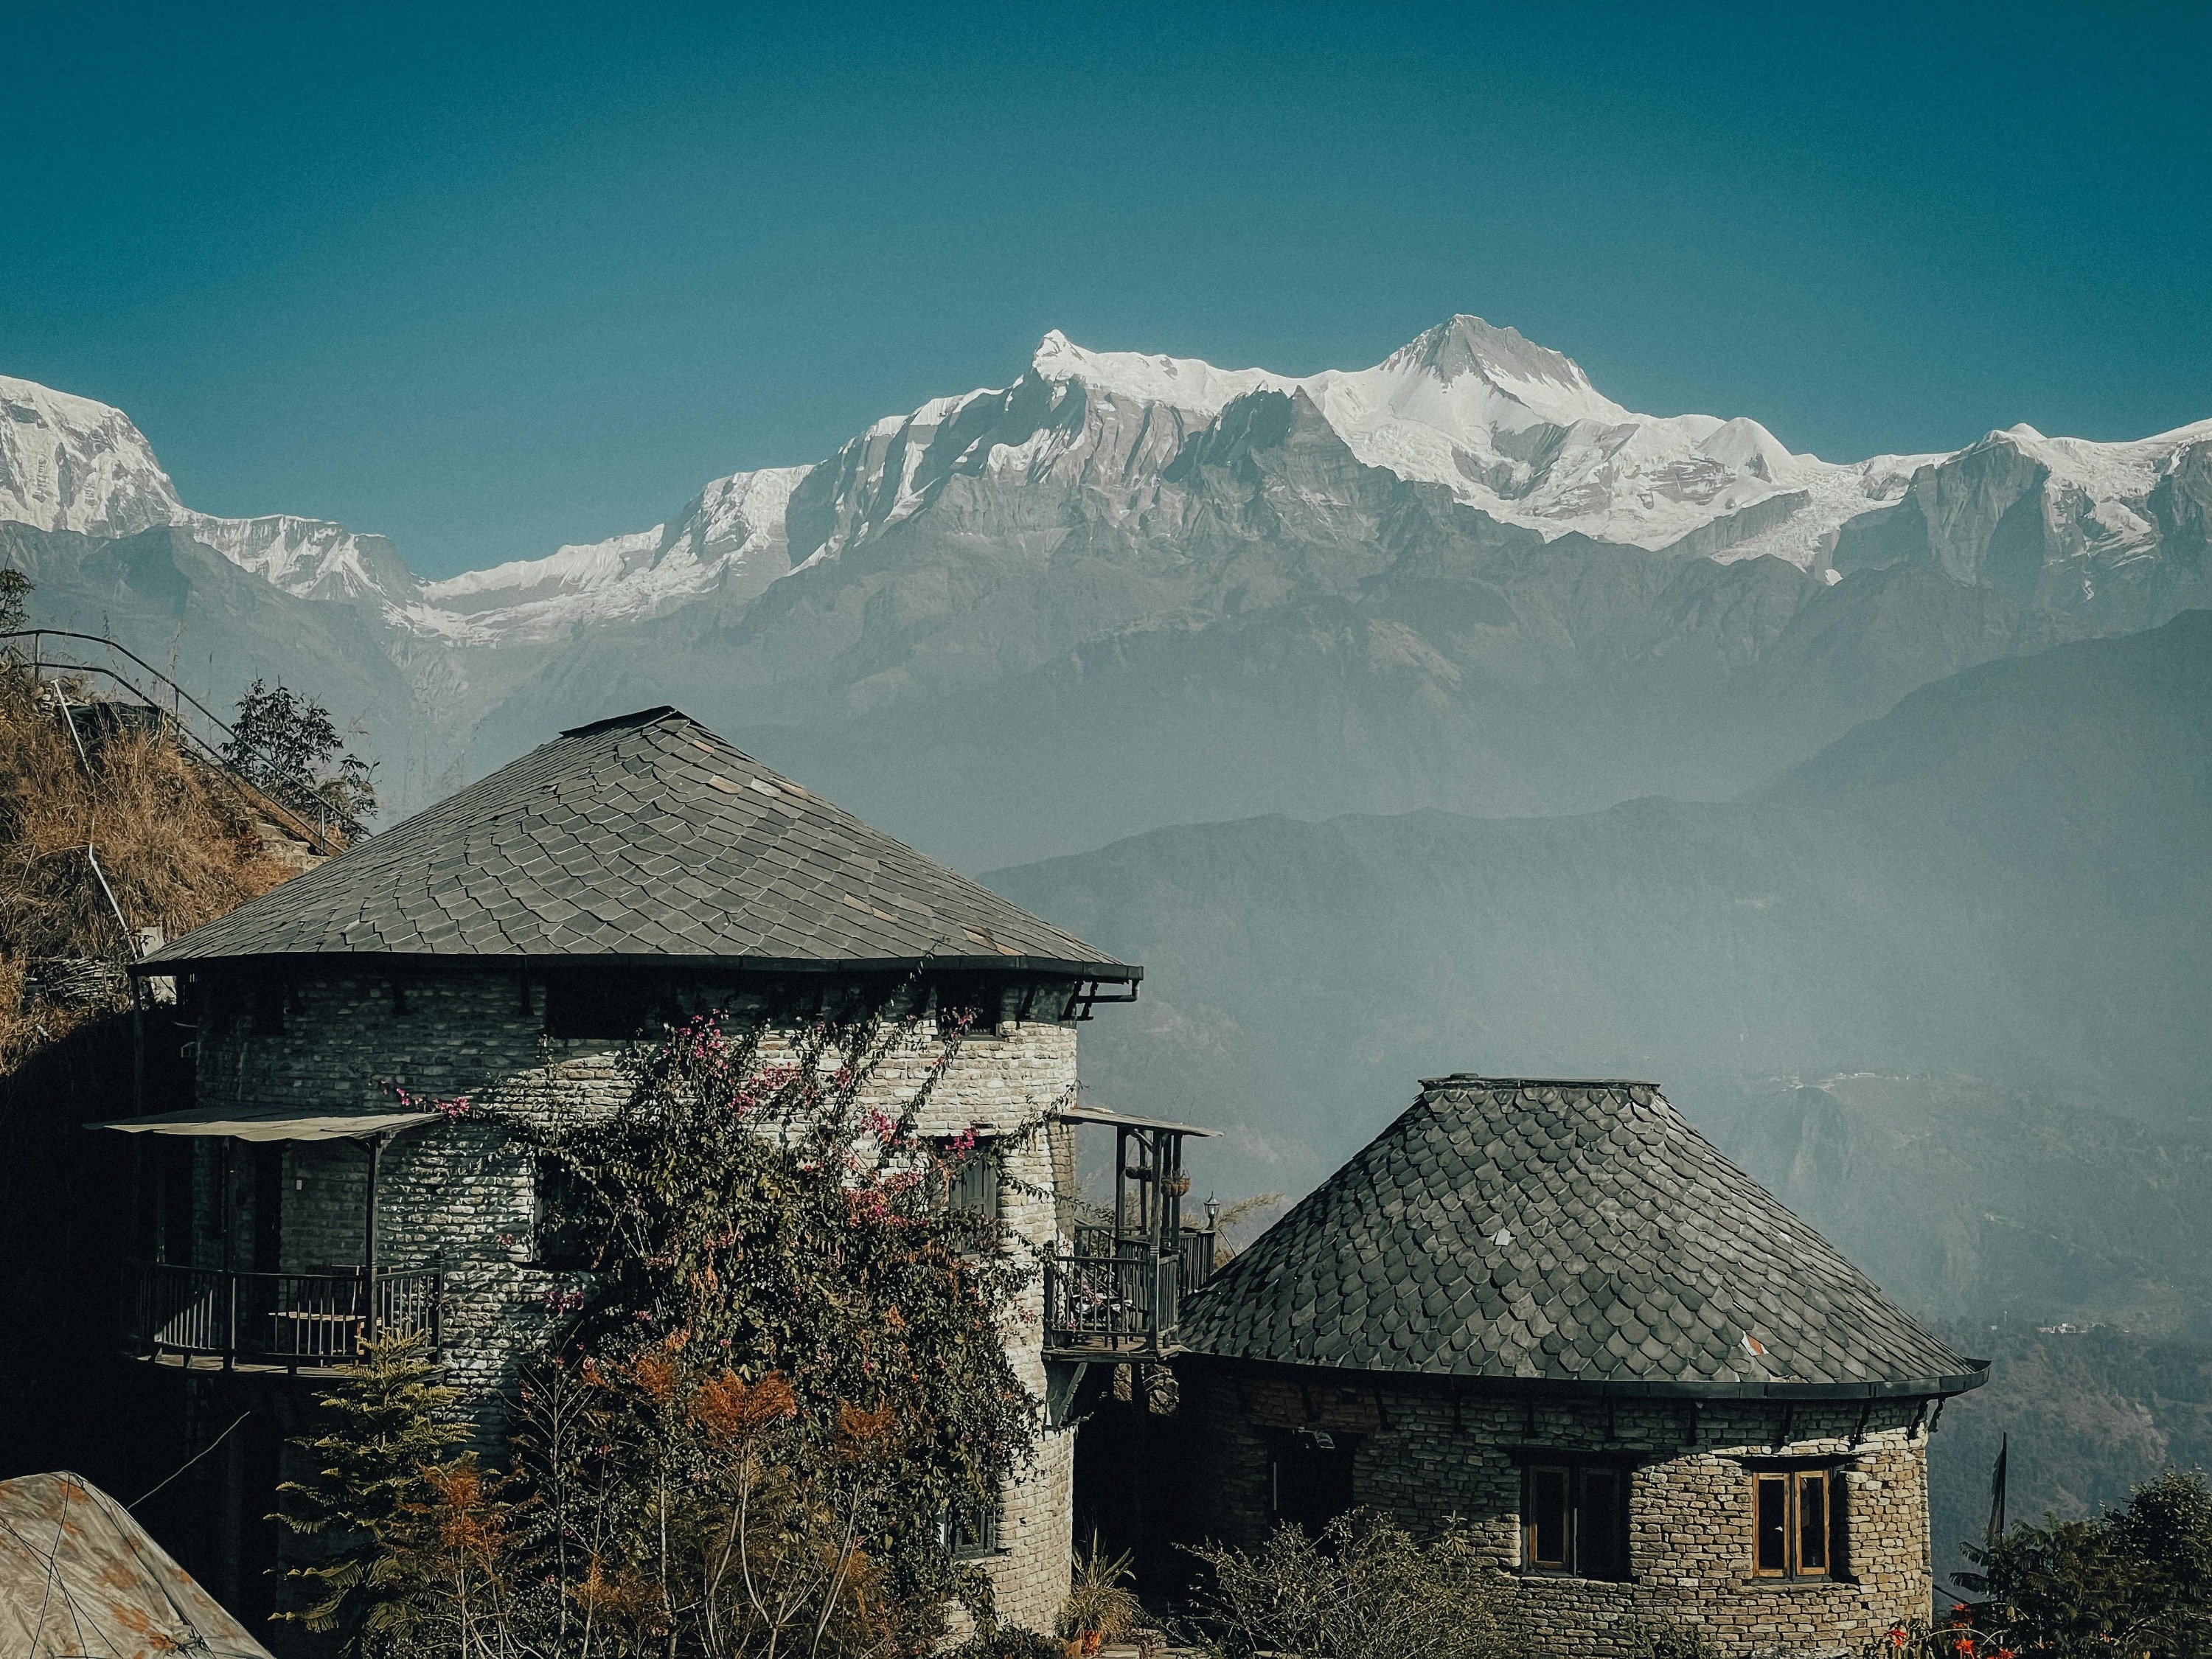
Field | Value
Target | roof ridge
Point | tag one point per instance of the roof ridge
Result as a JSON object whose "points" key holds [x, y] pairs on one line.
{"points": [[638, 717], [1495, 1081]]}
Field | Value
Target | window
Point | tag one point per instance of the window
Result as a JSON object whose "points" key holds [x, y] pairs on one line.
{"points": [[563, 1234], [266, 999], [611, 1005], [969, 1529], [971, 1179], [1574, 1519], [970, 1005], [1310, 1476], [1796, 1524]]}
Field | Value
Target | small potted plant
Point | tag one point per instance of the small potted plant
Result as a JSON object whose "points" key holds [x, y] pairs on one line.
{"points": [[1099, 1607]]}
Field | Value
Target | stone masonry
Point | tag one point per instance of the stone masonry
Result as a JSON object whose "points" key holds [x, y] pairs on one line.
{"points": [[1423, 1454], [455, 1195]]}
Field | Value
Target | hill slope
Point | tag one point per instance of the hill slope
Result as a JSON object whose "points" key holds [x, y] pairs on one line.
{"points": [[1938, 986]]}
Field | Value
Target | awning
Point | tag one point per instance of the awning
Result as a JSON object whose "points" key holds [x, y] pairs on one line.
{"points": [[271, 1123], [1122, 1121]]}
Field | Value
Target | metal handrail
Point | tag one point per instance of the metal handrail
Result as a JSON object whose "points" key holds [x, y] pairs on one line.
{"points": [[318, 836], [298, 1321]]}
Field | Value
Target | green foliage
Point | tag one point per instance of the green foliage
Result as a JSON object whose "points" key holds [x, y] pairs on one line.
{"points": [[2136, 1579], [1366, 1588], [293, 751], [388, 1423], [15, 590], [752, 1417]]}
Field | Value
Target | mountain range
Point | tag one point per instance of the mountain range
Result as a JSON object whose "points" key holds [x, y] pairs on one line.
{"points": [[1127, 590]]}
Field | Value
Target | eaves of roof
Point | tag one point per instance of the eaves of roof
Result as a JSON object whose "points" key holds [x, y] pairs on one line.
{"points": [[1453, 1382]]}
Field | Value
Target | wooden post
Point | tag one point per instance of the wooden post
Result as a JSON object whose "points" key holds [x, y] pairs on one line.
{"points": [[369, 1236], [225, 1210]]}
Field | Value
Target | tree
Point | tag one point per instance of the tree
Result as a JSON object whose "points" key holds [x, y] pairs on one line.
{"points": [[377, 1464], [15, 590], [287, 745], [755, 1415], [2137, 1579]]}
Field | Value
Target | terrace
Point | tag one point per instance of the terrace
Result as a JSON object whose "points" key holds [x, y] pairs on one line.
{"points": [[243, 1311], [1116, 1293]]}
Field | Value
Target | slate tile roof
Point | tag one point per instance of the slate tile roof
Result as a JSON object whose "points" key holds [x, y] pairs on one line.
{"points": [[644, 836], [1573, 1232]]}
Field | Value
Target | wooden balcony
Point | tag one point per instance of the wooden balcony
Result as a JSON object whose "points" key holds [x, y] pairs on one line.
{"points": [[308, 1324], [1112, 1299]]}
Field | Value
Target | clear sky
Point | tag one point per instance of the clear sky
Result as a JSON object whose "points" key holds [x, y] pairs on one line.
{"points": [[486, 279]]}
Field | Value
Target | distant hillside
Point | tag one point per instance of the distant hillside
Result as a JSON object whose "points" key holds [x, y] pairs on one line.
{"points": [[1940, 986]]}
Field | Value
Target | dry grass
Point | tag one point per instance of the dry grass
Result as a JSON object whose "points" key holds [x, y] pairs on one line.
{"points": [[174, 841]]}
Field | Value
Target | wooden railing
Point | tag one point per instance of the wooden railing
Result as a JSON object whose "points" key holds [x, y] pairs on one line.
{"points": [[1104, 1304], [297, 1322], [1109, 1297]]}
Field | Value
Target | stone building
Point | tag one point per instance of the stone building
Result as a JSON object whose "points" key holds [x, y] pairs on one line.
{"points": [[301, 1190], [1554, 1310]]}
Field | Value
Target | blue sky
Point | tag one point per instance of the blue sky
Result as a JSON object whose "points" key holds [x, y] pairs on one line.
{"points": [[486, 279]]}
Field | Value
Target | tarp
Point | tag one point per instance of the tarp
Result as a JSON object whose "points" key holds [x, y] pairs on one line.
{"points": [[80, 1579], [271, 1122]]}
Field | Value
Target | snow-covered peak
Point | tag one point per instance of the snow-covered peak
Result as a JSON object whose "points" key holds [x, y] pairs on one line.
{"points": [[68, 463], [730, 536], [311, 558], [1548, 384], [2132, 467], [1506, 425], [1178, 382]]}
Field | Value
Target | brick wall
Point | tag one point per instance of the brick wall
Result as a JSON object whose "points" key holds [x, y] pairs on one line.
{"points": [[1422, 1456], [455, 1194]]}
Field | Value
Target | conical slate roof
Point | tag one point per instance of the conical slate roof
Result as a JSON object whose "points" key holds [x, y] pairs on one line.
{"points": [[644, 837], [1565, 1232]]}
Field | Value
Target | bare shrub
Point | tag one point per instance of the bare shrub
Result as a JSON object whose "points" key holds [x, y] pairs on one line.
{"points": [[1366, 1588]]}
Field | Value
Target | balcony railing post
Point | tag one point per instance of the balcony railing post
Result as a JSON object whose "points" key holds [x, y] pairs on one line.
{"points": [[230, 1318]]}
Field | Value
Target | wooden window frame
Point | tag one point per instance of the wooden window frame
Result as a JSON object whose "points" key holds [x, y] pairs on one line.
{"points": [[969, 1531], [1583, 1553], [1791, 1485], [980, 1168]]}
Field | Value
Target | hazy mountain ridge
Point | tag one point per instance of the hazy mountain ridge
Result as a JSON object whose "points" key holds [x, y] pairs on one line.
{"points": [[1938, 988], [1023, 620]]}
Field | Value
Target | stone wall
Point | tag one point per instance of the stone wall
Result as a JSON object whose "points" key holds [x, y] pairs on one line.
{"points": [[454, 1194], [1423, 1455]]}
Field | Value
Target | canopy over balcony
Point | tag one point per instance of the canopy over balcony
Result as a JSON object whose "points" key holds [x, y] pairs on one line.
{"points": [[250, 1123], [201, 1315]]}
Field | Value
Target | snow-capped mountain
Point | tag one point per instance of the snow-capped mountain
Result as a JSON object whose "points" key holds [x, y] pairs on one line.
{"points": [[1032, 616], [70, 463], [730, 538], [1511, 428]]}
